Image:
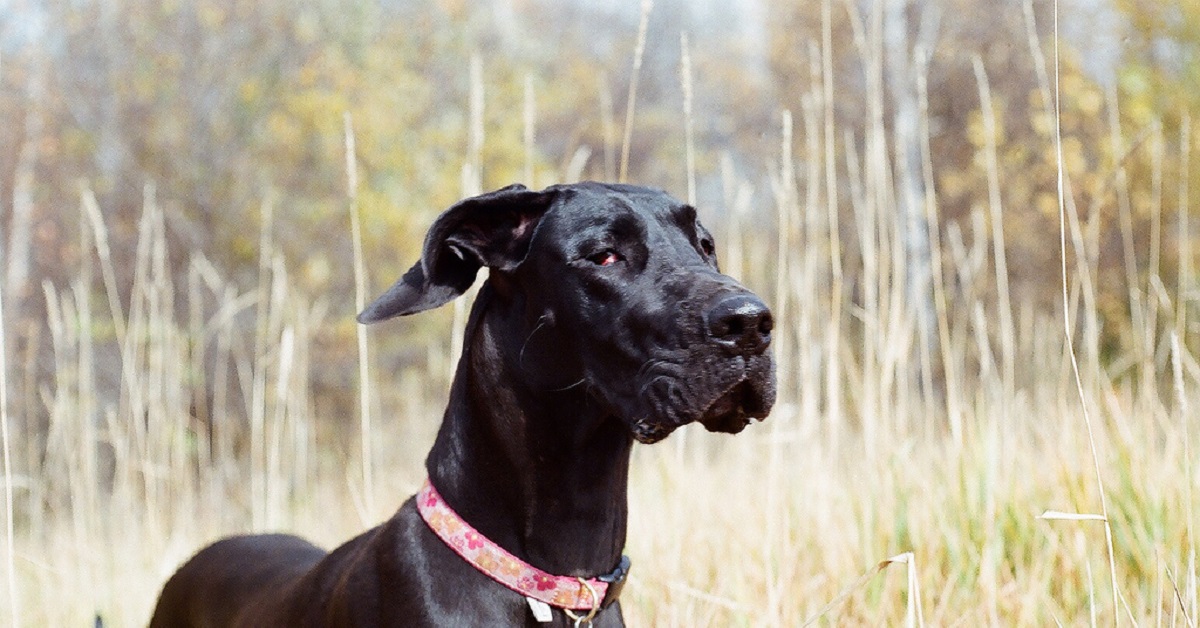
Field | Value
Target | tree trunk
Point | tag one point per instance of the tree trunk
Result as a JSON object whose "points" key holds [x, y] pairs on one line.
{"points": [[910, 188]]}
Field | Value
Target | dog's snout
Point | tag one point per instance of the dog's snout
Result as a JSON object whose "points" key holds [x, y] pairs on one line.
{"points": [[742, 322]]}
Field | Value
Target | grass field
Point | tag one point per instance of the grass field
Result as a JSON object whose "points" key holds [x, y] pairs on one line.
{"points": [[785, 523]]}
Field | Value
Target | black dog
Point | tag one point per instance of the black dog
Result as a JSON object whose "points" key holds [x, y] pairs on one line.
{"points": [[604, 320]]}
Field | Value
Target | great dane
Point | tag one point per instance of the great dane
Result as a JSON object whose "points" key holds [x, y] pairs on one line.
{"points": [[604, 321]]}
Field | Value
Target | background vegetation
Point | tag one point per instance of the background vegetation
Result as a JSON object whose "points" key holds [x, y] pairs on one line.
{"points": [[182, 228]]}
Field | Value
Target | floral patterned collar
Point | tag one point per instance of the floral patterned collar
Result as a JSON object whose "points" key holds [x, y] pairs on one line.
{"points": [[588, 594]]}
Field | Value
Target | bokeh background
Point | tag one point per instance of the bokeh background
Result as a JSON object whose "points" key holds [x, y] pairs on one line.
{"points": [[934, 195]]}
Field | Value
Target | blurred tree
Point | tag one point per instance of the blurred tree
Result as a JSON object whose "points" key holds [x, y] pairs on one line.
{"points": [[222, 104], [1160, 62], [1159, 106]]}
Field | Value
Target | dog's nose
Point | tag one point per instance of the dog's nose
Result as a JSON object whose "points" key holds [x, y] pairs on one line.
{"points": [[742, 322]]}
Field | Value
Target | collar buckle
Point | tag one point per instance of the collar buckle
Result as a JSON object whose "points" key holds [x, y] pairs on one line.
{"points": [[616, 581]]}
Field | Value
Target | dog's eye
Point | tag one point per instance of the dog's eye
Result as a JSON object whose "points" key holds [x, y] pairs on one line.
{"points": [[607, 257], [706, 245]]}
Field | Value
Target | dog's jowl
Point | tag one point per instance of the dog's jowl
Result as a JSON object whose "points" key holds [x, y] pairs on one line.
{"points": [[604, 321]]}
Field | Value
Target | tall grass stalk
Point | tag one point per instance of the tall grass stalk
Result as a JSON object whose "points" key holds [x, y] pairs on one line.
{"points": [[262, 336], [360, 302], [689, 135], [476, 135], [1183, 232], [10, 557], [10, 553], [100, 233], [786, 207], [1189, 499], [639, 51], [996, 214], [529, 115], [1185, 279], [807, 287], [608, 129], [1067, 329], [833, 330], [933, 222]]}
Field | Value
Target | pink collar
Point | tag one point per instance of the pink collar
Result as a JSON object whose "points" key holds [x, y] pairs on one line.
{"points": [[499, 565]]}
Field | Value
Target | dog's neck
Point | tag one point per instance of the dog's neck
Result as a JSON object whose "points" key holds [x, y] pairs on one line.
{"points": [[542, 472]]}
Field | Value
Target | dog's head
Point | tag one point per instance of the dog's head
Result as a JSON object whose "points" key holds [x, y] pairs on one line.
{"points": [[613, 288]]}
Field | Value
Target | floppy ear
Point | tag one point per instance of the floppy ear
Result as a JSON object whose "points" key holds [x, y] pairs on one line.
{"points": [[492, 230]]}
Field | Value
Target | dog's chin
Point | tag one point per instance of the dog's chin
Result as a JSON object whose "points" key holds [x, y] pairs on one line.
{"points": [[733, 411], [730, 413], [648, 431]]}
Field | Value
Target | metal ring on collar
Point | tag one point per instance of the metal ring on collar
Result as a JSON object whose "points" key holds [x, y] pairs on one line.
{"points": [[581, 619]]}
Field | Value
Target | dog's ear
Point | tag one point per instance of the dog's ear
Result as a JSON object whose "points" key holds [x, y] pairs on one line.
{"points": [[492, 230]]}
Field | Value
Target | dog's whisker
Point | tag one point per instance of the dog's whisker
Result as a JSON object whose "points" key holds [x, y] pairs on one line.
{"points": [[541, 323], [580, 382]]}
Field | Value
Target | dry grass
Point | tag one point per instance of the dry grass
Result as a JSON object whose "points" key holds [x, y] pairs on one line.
{"points": [[899, 480], [769, 527]]}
